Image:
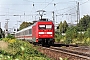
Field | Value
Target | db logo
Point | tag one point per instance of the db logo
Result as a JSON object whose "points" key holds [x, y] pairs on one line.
{"points": [[45, 32]]}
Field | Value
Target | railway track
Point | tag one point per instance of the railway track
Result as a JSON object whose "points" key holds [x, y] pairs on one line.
{"points": [[57, 53]]}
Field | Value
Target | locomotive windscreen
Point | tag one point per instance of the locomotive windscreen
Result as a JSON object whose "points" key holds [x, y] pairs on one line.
{"points": [[45, 26], [41, 26]]}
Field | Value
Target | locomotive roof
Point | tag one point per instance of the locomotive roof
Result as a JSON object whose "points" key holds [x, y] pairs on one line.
{"points": [[44, 21]]}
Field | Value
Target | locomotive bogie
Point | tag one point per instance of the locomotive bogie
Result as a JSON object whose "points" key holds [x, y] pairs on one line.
{"points": [[46, 41]]}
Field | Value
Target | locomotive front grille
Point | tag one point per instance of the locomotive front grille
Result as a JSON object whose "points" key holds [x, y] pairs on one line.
{"points": [[45, 40]]}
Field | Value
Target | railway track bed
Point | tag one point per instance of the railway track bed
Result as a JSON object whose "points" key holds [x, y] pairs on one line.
{"points": [[69, 53]]}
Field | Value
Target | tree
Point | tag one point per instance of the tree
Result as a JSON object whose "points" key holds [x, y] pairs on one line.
{"points": [[84, 23], [71, 33], [1, 33], [87, 33], [65, 26], [25, 24], [60, 27], [10, 36], [89, 25]]}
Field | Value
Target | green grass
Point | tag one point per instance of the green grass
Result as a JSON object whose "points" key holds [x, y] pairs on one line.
{"points": [[20, 50]]}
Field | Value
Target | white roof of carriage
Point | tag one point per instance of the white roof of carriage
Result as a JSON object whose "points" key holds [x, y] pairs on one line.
{"points": [[29, 27]]}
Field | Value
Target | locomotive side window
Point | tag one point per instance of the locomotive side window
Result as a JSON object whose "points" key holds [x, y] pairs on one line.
{"points": [[48, 26], [41, 26]]}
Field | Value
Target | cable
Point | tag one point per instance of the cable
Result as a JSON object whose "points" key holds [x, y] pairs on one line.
{"points": [[22, 4], [12, 9], [84, 2], [36, 2], [63, 8], [73, 7], [80, 4], [65, 2], [27, 0], [48, 4]]}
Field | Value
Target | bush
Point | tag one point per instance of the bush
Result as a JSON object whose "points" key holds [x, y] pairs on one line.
{"points": [[58, 37], [10, 36], [20, 50]]}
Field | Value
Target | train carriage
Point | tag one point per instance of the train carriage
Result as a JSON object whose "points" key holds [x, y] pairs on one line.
{"points": [[24, 34]]}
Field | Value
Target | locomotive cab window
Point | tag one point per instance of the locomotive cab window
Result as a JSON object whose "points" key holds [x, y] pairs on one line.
{"points": [[45, 26], [48, 26], [41, 26]]}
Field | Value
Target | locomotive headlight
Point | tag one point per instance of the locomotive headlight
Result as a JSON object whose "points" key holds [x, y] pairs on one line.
{"points": [[41, 32], [49, 32]]}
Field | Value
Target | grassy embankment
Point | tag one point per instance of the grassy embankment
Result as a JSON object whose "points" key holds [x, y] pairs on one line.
{"points": [[19, 50]]}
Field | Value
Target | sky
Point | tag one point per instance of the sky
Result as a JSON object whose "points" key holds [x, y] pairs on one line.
{"points": [[26, 10]]}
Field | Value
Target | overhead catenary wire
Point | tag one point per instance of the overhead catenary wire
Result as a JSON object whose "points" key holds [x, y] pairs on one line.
{"points": [[27, 11], [71, 7], [85, 2], [43, 3], [48, 4], [76, 6], [33, 4]]}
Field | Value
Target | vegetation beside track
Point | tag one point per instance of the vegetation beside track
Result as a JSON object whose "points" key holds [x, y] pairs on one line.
{"points": [[73, 37], [79, 34], [19, 50]]}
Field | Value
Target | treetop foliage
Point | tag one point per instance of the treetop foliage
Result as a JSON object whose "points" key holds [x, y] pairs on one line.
{"points": [[25, 24], [1, 33], [84, 23], [63, 27]]}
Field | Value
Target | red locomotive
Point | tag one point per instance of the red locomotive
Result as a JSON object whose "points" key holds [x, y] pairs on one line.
{"points": [[42, 32]]}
